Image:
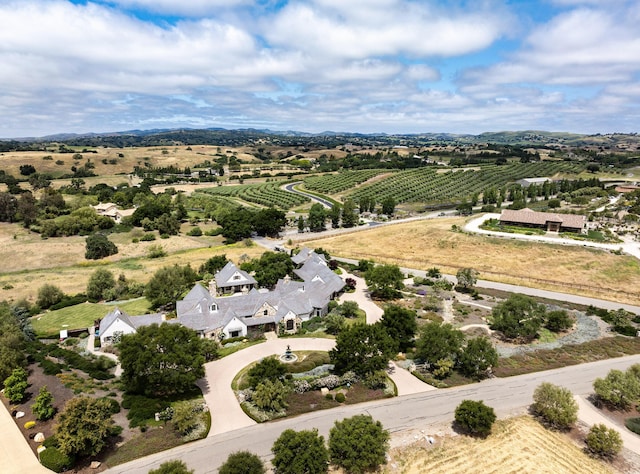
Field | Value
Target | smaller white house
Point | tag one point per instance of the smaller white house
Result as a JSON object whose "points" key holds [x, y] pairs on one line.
{"points": [[118, 323], [109, 209]]}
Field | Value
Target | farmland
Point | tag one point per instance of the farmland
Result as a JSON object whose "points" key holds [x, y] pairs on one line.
{"points": [[265, 194], [336, 183]]}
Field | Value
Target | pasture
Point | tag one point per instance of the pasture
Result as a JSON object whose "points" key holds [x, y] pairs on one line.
{"points": [[428, 243]]}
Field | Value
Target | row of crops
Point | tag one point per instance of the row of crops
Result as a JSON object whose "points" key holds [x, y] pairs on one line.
{"points": [[430, 185], [265, 194], [338, 182]]}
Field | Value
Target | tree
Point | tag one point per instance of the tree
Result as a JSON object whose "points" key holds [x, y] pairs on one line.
{"points": [[334, 323], [165, 359], [167, 285], [439, 342], [384, 281], [12, 342], [99, 246], [603, 442], [349, 215], [268, 368], [271, 395], [84, 426], [554, 203], [349, 309], [100, 282], [317, 218], [8, 207], [400, 323], [48, 295], [388, 206], [363, 349], [300, 452], [213, 265], [519, 317], [334, 215], [555, 405], [269, 268], [174, 466], [26, 170], [358, 444], [301, 224], [558, 321], [242, 462], [467, 277], [477, 358], [16, 385], [167, 224], [269, 222], [475, 417], [43, 408], [619, 389]]}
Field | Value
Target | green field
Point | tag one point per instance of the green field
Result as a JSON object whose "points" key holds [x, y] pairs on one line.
{"points": [[83, 315]]}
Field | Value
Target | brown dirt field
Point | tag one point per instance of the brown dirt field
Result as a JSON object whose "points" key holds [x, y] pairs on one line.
{"points": [[428, 243], [517, 445]]}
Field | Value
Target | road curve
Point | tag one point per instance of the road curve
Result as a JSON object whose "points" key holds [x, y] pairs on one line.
{"points": [[420, 411], [291, 188]]}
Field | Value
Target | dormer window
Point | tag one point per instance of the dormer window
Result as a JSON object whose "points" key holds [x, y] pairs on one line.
{"points": [[214, 307], [236, 277]]}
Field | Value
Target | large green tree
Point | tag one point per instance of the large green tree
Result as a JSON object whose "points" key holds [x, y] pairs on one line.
{"points": [[269, 268], [48, 295], [317, 218], [400, 323], [164, 359], [439, 342], [99, 246], [384, 281], [358, 444], [363, 349], [168, 283], [269, 222], [300, 452], [84, 426], [518, 317], [100, 282], [467, 277], [349, 214], [477, 358]]}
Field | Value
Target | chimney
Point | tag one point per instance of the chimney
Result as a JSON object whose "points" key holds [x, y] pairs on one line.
{"points": [[213, 287]]}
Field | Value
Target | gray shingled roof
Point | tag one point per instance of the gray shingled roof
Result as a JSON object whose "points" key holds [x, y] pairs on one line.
{"points": [[112, 316], [224, 277]]}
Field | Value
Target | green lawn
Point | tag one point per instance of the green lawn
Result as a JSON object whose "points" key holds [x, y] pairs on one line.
{"points": [[83, 315]]}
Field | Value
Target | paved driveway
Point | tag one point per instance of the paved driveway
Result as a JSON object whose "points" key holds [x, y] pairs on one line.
{"points": [[226, 414]]}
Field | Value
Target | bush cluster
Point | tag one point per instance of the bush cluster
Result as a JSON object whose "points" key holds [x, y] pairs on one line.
{"points": [[53, 459], [141, 408]]}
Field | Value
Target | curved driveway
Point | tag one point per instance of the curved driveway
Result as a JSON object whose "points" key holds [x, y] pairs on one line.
{"points": [[226, 413], [291, 188]]}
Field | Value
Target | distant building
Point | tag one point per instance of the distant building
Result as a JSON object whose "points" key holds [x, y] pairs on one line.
{"points": [[118, 323], [526, 182], [548, 221], [109, 209]]}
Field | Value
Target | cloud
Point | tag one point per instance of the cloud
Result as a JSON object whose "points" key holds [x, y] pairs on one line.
{"points": [[190, 8]]}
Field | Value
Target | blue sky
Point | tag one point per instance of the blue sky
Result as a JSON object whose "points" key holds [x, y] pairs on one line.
{"points": [[393, 66]]}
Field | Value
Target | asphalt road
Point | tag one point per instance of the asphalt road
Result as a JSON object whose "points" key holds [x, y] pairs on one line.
{"points": [[420, 411], [291, 188]]}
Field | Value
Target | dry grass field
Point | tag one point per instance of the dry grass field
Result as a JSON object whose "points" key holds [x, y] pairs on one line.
{"points": [[428, 243], [517, 445], [28, 262]]}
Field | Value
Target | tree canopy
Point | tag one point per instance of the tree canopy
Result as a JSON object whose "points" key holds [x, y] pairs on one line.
{"points": [[400, 323], [300, 452], [475, 417], [555, 405], [477, 358], [518, 317], [439, 342], [168, 283], [99, 246], [358, 444], [269, 268], [363, 349], [384, 281], [164, 359], [242, 462], [84, 426]]}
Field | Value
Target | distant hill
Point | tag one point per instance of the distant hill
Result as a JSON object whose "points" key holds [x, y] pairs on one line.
{"points": [[239, 137]]}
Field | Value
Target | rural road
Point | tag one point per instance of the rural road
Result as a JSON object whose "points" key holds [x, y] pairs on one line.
{"points": [[291, 188], [419, 411]]}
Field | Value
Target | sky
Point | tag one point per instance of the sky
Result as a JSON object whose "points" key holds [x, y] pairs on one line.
{"points": [[367, 66]]}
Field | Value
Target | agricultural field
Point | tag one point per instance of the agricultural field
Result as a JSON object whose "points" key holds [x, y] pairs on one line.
{"points": [[432, 242], [265, 194], [516, 445], [338, 182], [433, 185]]}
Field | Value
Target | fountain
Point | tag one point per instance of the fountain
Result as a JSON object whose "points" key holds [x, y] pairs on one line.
{"points": [[288, 356]]}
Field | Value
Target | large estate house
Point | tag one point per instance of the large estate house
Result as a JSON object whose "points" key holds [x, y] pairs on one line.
{"points": [[548, 221], [284, 308], [233, 306]]}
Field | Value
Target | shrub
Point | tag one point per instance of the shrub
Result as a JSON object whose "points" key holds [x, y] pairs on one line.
{"points": [[141, 408], [148, 237], [618, 389], [114, 406], [298, 452], [53, 459], [555, 405], [358, 444], [375, 380], [156, 251], [268, 368], [603, 442], [43, 407], [633, 424], [475, 417], [340, 398], [195, 232], [558, 321], [172, 467], [242, 462]]}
